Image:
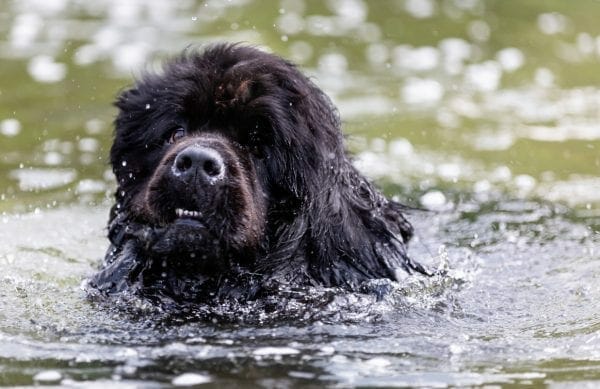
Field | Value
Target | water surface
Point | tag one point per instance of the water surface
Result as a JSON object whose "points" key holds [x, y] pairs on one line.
{"points": [[484, 114]]}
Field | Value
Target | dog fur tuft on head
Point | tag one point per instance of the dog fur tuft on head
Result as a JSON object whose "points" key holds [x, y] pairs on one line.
{"points": [[231, 173]]}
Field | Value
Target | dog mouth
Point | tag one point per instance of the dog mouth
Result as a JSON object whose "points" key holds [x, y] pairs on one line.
{"points": [[181, 213]]}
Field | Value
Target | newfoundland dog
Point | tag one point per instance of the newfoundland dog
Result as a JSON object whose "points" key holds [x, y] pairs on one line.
{"points": [[232, 174]]}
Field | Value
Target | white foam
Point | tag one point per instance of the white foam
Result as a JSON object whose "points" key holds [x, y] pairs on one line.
{"points": [[275, 351]]}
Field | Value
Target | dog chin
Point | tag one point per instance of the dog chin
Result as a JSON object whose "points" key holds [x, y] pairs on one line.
{"points": [[181, 237]]}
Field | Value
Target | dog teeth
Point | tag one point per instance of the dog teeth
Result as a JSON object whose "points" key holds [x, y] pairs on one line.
{"points": [[184, 212]]}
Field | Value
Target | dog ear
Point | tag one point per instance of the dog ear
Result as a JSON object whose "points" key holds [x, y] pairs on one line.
{"points": [[364, 235], [346, 233]]}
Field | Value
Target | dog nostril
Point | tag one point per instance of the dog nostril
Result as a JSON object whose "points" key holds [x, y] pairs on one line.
{"points": [[212, 167], [183, 163]]}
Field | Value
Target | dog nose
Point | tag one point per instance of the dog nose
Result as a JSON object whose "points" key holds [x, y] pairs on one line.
{"points": [[204, 162]]}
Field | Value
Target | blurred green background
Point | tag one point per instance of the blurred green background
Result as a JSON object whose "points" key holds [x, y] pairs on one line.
{"points": [[481, 94]]}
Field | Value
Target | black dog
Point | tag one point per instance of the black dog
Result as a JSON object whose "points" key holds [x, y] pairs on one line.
{"points": [[232, 173]]}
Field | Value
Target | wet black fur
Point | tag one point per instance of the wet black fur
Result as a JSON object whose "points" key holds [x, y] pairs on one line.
{"points": [[318, 220]]}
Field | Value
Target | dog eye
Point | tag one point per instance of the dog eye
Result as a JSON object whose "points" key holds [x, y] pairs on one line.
{"points": [[176, 134]]}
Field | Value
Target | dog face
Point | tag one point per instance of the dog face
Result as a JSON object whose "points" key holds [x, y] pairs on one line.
{"points": [[215, 145], [230, 161]]}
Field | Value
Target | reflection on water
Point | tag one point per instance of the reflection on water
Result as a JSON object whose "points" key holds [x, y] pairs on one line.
{"points": [[484, 113]]}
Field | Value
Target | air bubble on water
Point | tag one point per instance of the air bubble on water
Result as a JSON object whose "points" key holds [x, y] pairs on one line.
{"points": [[421, 91], [147, 106], [544, 77], [10, 127], [86, 186], [501, 173], [48, 376], [333, 63], [449, 171], [353, 12], [377, 53], [53, 158], [88, 145], [479, 30], [190, 379], [433, 200], [525, 182], [25, 29], [586, 43], [87, 54], [94, 126], [416, 59], [552, 23], [290, 23], [300, 51], [43, 68], [420, 9], [484, 77], [510, 59]]}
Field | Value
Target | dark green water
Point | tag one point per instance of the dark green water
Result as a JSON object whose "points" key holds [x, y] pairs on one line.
{"points": [[486, 112]]}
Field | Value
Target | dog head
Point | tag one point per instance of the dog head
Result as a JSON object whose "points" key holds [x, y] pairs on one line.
{"points": [[217, 142], [236, 156]]}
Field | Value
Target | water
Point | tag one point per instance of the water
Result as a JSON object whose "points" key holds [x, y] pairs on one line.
{"points": [[484, 113]]}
